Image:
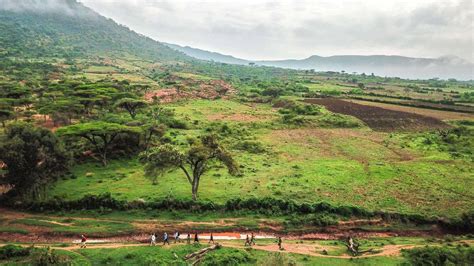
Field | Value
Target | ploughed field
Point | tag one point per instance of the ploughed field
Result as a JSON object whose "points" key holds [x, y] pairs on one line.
{"points": [[379, 118]]}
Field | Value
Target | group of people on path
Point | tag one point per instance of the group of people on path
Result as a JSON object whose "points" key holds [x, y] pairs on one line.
{"points": [[177, 238], [249, 241]]}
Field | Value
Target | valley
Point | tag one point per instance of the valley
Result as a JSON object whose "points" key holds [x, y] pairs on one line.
{"points": [[112, 135]]}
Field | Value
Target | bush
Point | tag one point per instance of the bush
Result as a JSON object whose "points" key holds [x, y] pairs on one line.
{"points": [[229, 257], [269, 206], [338, 120], [440, 256], [300, 108], [313, 219], [250, 146], [12, 251]]}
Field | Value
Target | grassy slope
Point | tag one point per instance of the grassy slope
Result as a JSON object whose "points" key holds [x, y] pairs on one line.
{"points": [[225, 256], [341, 166]]}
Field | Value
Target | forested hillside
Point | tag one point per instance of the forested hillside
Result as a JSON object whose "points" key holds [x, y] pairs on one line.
{"points": [[71, 31]]}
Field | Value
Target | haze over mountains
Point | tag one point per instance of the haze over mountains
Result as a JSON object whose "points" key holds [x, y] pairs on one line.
{"points": [[382, 65], [68, 28]]}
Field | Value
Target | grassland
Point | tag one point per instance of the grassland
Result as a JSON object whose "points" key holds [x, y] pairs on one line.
{"points": [[304, 164], [174, 256]]}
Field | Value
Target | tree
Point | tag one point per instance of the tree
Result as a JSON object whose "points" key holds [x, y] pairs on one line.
{"points": [[100, 134], [272, 92], [61, 110], [5, 114], [33, 157], [194, 162], [150, 130], [90, 97], [131, 105], [6, 110]]}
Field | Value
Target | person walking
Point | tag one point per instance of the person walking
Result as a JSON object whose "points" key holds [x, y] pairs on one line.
{"points": [[176, 237], [247, 241], [153, 239], [279, 243], [252, 239], [165, 239], [211, 239], [83, 241], [196, 239], [188, 239]]}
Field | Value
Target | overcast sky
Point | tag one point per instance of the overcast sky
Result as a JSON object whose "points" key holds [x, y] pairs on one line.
{"points": [[282, 29]]}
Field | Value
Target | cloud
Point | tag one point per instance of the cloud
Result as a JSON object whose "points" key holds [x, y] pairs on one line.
{"points": [[35, 5], [266, 29]]}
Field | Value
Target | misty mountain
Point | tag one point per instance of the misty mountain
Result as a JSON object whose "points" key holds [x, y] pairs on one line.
{"points": [[381, 65], [208, 56], [66, 28]]}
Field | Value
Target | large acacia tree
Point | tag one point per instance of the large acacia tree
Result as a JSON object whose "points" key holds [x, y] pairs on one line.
{"points": [[100, 134], [194, 162], [33, 158], [131, 105]]}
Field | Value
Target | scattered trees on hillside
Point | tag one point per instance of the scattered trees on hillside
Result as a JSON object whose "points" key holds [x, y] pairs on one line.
{"points": [[33, 157], [100, 134], [194, 162]]}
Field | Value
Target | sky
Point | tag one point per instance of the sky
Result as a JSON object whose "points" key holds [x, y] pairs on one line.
{"points": [[282, 29]]}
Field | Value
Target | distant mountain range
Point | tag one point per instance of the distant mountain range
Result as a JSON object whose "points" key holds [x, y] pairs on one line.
{"points": [[68, 29], [382, 65]]}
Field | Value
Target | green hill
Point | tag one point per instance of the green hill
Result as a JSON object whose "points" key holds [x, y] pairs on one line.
{"points": [[69, 29]]}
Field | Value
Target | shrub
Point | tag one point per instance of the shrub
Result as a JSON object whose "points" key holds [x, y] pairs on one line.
{"points": [[313, 219], [250, 146], [440, 256], [338, 120], [12, 251], [299, 108], [229, 257]]}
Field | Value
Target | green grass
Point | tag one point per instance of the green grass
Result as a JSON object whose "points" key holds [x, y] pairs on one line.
{"points": [[357, 167], [12, 229], [174, 255], [78, 226]]}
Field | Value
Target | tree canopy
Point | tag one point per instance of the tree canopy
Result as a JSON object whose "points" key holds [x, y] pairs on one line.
{"points": [[100, 134], [194, 162], [131, 105], [33, 157]]}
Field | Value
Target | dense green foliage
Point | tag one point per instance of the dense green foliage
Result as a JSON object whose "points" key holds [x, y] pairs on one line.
{"points": [[73, 31], [100, 134], [440, 256], [12, 251], [33, 157]]}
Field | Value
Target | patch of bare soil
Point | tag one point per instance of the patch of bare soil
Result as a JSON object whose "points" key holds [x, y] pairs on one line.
{"points": [[212, 89], [237, 117], [381, 119], [438, 114]]}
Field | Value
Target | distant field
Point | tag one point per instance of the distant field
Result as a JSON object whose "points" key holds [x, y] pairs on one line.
{"points": [[439, 114], [379, 118]]}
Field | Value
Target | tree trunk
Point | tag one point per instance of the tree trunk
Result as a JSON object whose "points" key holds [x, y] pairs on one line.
{"points": [[194, 190], [195, 187], [104, 158]]}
